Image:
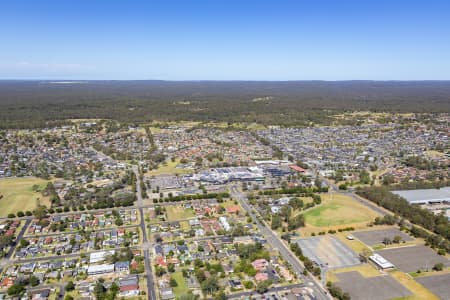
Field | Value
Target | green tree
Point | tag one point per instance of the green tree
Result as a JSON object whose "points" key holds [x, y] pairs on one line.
{"points": [[263, 286], [70, 286], [16, 289], [438, 267], [99, 291], [34, 281], [210, 285]]}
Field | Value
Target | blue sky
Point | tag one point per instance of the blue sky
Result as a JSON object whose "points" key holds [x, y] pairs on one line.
{"points": [[225, 40]]}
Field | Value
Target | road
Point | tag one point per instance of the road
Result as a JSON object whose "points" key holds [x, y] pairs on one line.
{"points": [[146, 244], [60, 286], [59, 233], [7, 259], [277, 244], [18, 238], [71, 255], [271, 290]]}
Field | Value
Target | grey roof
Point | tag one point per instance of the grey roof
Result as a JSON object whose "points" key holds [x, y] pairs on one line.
{"points": [[425, 195]]}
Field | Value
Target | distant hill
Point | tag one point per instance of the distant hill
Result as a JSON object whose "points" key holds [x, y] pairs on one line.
{"points": [[288, 103]]}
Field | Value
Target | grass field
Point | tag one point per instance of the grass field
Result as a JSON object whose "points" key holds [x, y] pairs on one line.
{"points": [[229, 203], [18, 195], [181, 288], [337, 209], [419, 291], [169, 168], [178, 212]]}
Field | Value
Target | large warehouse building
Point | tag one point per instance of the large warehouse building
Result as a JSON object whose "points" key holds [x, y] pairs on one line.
{"points": [[426, 196]]}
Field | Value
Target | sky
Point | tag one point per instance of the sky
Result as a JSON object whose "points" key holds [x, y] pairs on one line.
{"points": [[225, 40]]}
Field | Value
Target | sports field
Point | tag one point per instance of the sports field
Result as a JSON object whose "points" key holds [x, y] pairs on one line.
{"points": [[338, 209], [18, 195]]}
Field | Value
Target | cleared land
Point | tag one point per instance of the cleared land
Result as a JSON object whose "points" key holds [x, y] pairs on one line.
{"points": [[178, 212], [413, 258], [374, 237], [374, 288], [328, 251], [18, 195], [338, 210], [169, 168], [439, 285], [181, 287]]}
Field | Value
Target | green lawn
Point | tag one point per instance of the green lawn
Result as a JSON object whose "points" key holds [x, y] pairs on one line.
{"points": [[18, 195], [181, 288], [337, 209], [178, 212]]}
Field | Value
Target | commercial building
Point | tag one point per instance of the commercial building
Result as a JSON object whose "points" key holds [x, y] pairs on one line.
{"points": [[426, 196], [100, 269], [381, 262]]}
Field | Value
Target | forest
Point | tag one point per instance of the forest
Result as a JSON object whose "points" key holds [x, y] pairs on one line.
{"points": [[25, 104]]}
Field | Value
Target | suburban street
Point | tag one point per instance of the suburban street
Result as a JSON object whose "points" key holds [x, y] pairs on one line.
{"points": [[277, 244], [151, 293], [271, 290]]}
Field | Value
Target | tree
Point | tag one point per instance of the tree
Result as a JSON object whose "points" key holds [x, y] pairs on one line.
{"points": [[173, 282], [99, 291], [438, 267], [220, 296], [263, 286], [386, 241], [364, 177], [296, 222], [318, 183], [210, 285], [5, 240], [276, 222], [40, 212], [171, 268], [119, 222], [34, 281], [68, 297], [397, 239], [70, 286], [23, 243], [16, 289]]}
